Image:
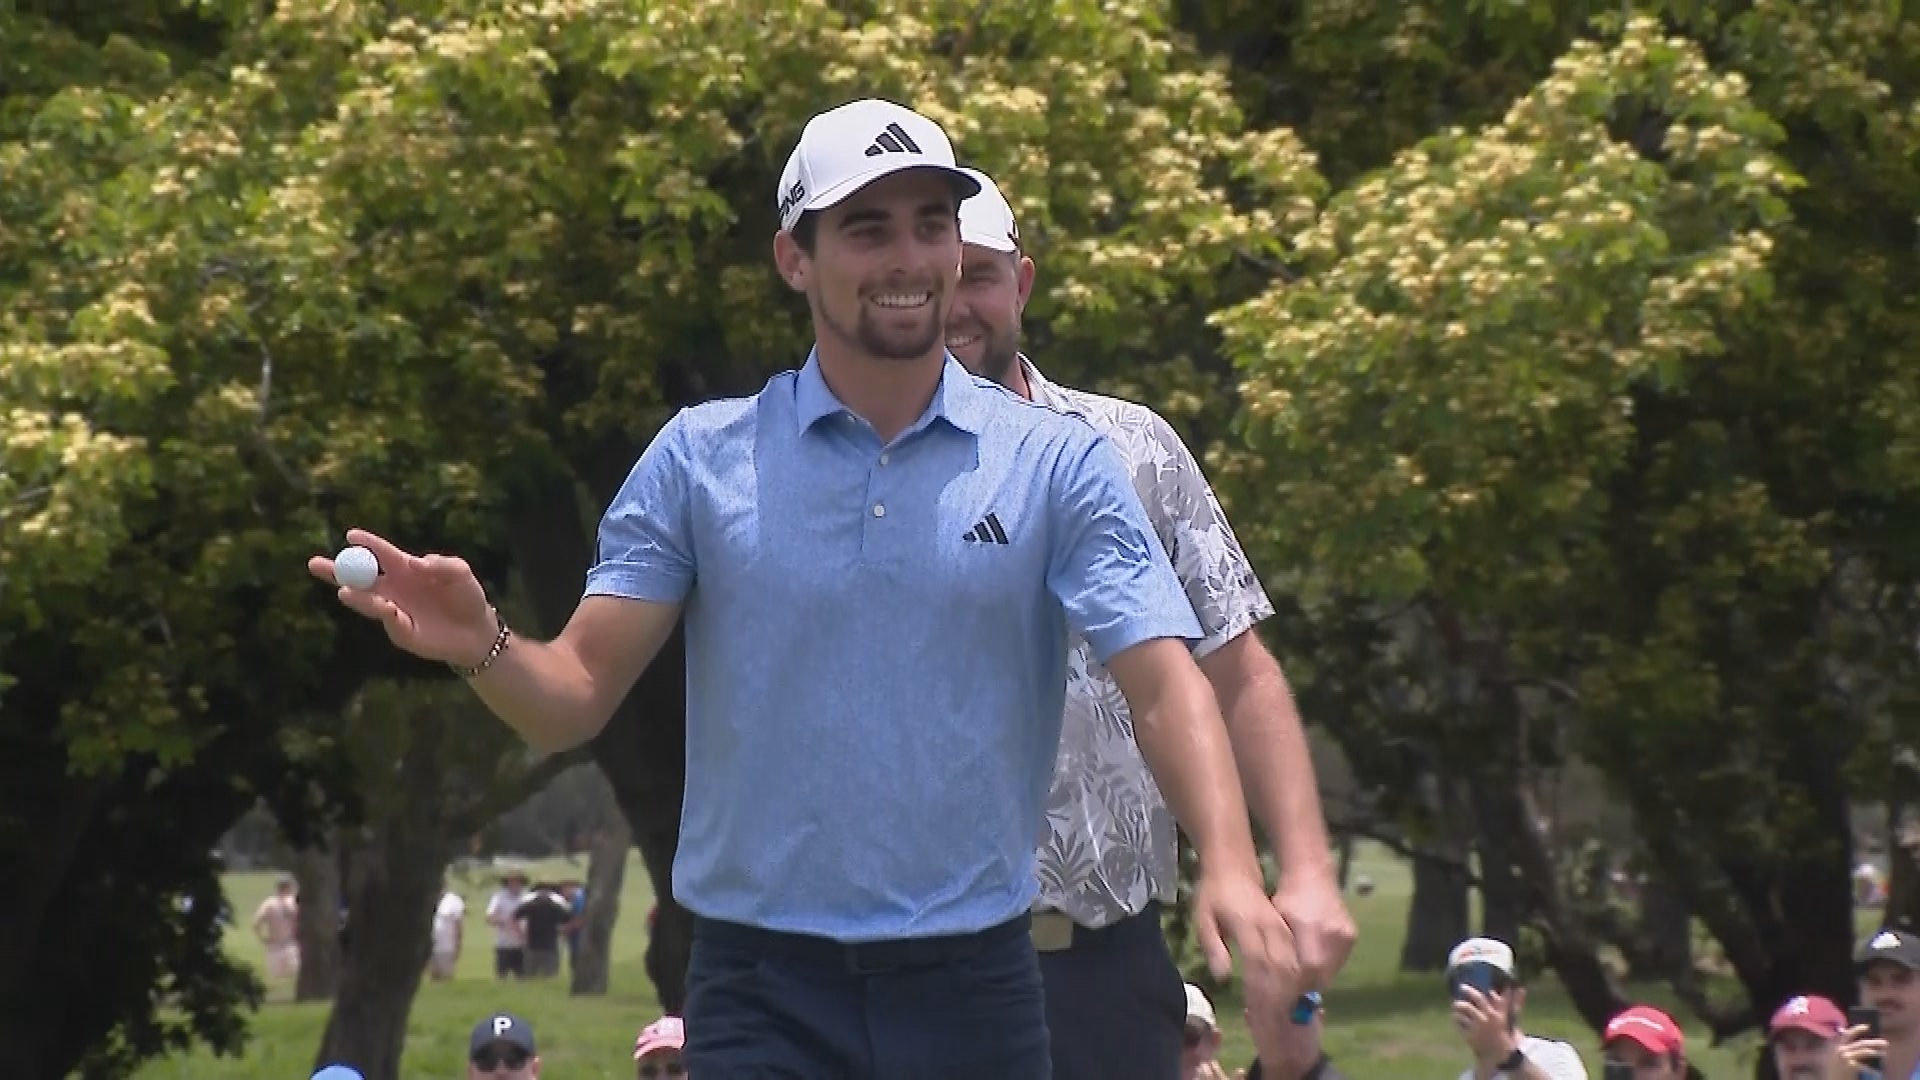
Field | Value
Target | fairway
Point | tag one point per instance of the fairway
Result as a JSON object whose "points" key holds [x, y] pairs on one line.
{"points": [[1381, 1025]]}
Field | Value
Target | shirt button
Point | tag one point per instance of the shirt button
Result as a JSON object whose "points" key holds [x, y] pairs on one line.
{"points": [[883, 458], [879, 510]]}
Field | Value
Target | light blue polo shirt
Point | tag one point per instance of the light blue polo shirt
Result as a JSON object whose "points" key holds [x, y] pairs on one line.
{"points": [[877, 642]]}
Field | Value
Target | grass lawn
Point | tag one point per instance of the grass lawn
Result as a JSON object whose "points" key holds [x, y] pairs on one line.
{"points": [[1380, 1025]]}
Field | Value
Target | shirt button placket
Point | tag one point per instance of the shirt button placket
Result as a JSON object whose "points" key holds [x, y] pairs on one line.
{"points": [[876, 503]]}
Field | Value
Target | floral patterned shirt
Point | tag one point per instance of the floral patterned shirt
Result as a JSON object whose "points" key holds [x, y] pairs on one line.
{"points": [[1109, 845]]}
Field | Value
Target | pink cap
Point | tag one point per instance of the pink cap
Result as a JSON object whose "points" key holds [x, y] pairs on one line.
{"points": [[1814, 1015], [1649, 1027], [666, 1033]]}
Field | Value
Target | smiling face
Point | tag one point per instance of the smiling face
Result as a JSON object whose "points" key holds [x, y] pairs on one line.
{"points": [[1894, 989], [883, 266], [983, 330]]}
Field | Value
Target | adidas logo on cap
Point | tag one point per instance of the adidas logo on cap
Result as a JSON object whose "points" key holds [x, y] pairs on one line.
{"points": [[843, 150]]}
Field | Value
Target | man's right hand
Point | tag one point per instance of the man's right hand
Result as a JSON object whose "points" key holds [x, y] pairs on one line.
{"points": [[1854, 1052], [431, 605], [1234, 906]]}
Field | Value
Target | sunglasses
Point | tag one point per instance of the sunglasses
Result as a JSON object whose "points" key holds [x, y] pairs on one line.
{"points": [[671, 1068], [489, 1058]]}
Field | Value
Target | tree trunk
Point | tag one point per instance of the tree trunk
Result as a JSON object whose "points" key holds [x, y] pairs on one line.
{"points": [[643, 748], [1665, 933], [1503, 902], [392, 912], [1510, 822], [316, 871], [1344, 845], [606, 873], [394, 884], [1438, 917], [670, 944]]}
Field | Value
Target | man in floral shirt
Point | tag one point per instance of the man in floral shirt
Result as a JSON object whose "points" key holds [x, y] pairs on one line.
{"points": [[1116, 1004]]}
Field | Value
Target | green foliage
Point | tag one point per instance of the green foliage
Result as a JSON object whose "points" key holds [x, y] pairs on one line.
{"points": [[1453, 371]]}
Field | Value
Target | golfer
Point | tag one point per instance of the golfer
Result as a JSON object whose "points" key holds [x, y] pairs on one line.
{"points": [[878, 557], [1116, 1008]]}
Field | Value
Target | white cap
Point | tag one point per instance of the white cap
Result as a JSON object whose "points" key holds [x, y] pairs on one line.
{"points": [[843, 150], [1199, 1008], [1480, 950], [986, 219]]}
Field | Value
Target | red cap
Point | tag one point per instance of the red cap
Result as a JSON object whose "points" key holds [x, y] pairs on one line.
{"points": [[1647, 1026], [1815, 1015]]}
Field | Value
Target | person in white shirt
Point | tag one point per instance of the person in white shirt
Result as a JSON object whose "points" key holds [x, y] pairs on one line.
{"points": [[448, 933], [509, 939], [1487, 1001]]}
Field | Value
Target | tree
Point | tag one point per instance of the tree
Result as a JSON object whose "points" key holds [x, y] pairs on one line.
{"points": [[157, 643], [611, 840], [434, 768], [444, 270], [1516, 391]]}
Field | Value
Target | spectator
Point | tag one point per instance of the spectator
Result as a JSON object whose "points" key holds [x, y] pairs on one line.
{"points": [[1288, 1047], [1804, 1038], [541, 916], [1649, 1040], [1200, 1060], [1103, 958], [501, 1048], [277, 924], [509, 940], [1487, 1002], [449, 933], [1887, 965], [656, 1053]]}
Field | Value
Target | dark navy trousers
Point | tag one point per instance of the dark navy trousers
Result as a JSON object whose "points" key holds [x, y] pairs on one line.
{"points": [[1116, 1003], [764, 1005]]}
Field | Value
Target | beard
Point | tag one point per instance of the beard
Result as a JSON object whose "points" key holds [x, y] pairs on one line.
{"points": [[890, 343], [999, 348]]}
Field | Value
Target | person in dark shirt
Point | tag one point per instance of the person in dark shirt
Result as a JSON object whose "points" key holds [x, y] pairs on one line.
{"points": [[1288, 1046], [541, 916]]}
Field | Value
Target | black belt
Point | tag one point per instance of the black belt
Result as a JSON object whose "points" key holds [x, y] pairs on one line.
{"points": [[867, 958]]}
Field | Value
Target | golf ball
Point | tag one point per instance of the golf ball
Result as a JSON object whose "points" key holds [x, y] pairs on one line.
{"points": [[356, 568]]}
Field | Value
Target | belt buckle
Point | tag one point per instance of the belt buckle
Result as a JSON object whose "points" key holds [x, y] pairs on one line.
{"points": [[1052, 932]]}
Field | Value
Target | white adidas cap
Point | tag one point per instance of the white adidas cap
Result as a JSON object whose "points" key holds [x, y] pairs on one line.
{"points": [[843, 150], [986, 219]]}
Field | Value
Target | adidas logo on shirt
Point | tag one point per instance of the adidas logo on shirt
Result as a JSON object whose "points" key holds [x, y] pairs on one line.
{"points": [[987, 531]]}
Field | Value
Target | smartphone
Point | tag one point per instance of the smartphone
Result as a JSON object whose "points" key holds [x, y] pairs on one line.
{"points": [[1617, 1070], [1482, 977], [1304, 1009], [1868, 1017]]}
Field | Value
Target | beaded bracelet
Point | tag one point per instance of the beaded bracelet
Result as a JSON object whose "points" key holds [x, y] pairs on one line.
{"points": [[500, 643]]}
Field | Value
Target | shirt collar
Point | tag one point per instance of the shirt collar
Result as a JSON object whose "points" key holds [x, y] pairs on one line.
{"points": [[958, 399], [1045, 392]]}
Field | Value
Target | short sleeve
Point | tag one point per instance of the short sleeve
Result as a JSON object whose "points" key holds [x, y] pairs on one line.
{"points": [[646, 537], [1560, 1061], [1220, 584], [1107, 568]]}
